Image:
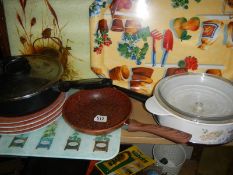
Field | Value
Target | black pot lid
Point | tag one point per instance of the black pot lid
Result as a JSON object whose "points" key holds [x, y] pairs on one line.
{"points": [[25, 76], [198, 97]]}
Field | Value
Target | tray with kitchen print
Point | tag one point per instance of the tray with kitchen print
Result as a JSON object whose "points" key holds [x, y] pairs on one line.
{"points": [[59, 140], [138, 42]]}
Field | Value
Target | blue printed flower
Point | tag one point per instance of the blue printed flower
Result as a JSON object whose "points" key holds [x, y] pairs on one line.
{"points": [[95, 11], [95, 8], [135, 38], [133, 57], [138, 62]]}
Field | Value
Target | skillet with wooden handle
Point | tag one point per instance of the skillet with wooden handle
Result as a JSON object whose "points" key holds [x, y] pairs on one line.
{"points": [[103, 110]]}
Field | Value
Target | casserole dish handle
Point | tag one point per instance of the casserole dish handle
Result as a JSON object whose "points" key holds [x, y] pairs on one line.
{"points": [[153, 106]]}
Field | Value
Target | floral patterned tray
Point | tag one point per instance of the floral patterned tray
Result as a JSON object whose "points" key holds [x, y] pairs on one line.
{"points": [[59, 140], [138, 42]]}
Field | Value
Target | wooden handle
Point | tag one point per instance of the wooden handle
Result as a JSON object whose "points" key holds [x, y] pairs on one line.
{"points": [[162, 131]]}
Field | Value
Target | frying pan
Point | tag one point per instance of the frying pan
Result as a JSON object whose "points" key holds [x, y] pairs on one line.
{"points": [[103, 110], [30, 83]]}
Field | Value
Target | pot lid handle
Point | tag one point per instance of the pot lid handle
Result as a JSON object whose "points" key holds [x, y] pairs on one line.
{"points": [[16, 66], [153, 106]]}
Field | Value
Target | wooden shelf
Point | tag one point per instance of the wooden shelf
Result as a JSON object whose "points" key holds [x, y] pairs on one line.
{"points": [[140, 113]]}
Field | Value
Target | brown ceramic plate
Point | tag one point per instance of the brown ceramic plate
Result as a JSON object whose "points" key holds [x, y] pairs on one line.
{"points": [[33, 121], [32, 127], [6, 121], [80, 110]]}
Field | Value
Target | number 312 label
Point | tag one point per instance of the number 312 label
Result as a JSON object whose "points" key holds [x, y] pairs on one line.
{"points": [[100, 118]]}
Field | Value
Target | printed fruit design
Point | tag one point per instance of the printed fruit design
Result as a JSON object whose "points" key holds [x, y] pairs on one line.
{"points": [[177, 24], [192, 24], [181, 25]]}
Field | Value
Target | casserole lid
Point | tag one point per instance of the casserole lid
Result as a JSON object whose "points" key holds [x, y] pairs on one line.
{"points": [[198, 97], [27, 75]]}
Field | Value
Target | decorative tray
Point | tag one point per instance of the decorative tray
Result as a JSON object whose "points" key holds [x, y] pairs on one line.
{"points": [[59, 140], [138, 42]]}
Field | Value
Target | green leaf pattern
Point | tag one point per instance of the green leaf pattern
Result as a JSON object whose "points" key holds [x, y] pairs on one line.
{"points": [[129, 49]]}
